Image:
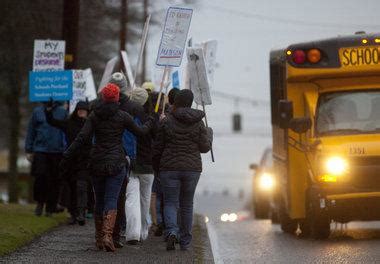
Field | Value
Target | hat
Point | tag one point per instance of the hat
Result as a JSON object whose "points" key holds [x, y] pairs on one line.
{"points": [[110, 93], [82, 105], [119, 79], [139, 95], [184, 98], [149, 86], [172, 93]]}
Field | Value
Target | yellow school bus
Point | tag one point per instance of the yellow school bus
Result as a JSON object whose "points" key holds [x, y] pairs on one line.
{"points": [[325, 104]]}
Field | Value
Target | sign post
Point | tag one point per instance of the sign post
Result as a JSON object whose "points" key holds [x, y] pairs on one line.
{"points": [[173, 41]]}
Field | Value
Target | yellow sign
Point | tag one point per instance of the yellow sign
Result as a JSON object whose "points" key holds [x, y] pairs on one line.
{"points": [[359, 56]]}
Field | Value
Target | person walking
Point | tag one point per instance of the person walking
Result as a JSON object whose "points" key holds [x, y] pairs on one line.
{"points": [[139, 187], [108, 159], [136, 110], [157, 195], [44, 146], [181, 138], [78, 175]]}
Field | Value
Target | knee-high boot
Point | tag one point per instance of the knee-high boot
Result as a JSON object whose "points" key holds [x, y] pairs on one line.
{"points": [[108, 224], [99, 231]]}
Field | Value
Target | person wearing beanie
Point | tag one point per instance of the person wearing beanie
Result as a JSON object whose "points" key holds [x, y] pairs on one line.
{"points": [[172, 93], [119, 79], [148, 86], [108, 162], [139, 95], [78, 176], [181, 138], [139, 187]]}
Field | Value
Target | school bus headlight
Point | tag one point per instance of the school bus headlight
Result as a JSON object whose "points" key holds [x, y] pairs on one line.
{"points": [[377, 40], [364, 41], [336, 166], [266, 181]]}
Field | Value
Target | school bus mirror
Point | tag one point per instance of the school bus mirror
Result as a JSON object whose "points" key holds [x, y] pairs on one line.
{"points": [[300, 125], [253, 166], [285, 111]]}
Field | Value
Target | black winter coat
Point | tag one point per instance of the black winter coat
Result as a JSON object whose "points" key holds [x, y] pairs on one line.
{"points": [[132, 108], [71, 127], [107, 124], [181, 138]]}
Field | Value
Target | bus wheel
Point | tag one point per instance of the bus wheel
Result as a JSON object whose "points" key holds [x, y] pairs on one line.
{"points": [[274, 216], [305, 228], [321, 227], [288, 225], [316, 224]]}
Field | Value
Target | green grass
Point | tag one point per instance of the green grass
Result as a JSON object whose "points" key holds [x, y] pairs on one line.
{"points": [[19, 225]]}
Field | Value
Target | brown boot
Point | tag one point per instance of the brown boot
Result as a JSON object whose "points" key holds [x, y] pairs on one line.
{"points": [[108, 224], [116, 235], [98, 231]]}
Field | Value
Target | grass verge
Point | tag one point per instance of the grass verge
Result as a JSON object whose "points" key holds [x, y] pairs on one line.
{"points": [[19, 225]]}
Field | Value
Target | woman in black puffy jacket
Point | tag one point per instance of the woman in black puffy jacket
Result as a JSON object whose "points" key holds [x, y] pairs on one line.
{"points": [[181, 138], [108, 159]]}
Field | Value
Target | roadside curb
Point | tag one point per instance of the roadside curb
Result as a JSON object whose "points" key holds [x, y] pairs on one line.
{"points": [[202, 244]]}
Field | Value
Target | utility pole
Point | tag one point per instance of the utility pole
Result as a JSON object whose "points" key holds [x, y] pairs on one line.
{"points": [[144, 62], [123, 31], [70, 31], [123, 25]]}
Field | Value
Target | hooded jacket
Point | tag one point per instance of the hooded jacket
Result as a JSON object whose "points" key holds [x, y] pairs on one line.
{"points": [[181, 138], [41, 137], [107, 124]]}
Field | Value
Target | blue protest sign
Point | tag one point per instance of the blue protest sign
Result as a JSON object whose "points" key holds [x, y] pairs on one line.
{"points": [[175, 79], [57, 85]]}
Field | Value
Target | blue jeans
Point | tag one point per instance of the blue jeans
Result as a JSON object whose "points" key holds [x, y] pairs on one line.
{"points": [[107, 189], [178, 188]]}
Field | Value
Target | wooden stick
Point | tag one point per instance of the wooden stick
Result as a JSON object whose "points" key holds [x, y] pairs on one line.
{"points": [[161, 89]]}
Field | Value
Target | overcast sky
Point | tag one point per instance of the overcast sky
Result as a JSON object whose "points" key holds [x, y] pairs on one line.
{"points": [[246, 31]]}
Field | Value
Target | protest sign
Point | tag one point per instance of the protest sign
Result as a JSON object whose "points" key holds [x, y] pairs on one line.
{"points": [[110, 66], [197, 75], [175, 79], [209, 51], [46, 85], [83, 87], [174, 36], [79, 88], [198, 81], [49, 55], [142, 49], [90, 85], [128, 68]]}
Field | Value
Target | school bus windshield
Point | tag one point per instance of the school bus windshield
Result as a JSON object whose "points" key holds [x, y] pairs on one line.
{"points": [[347, 113]]}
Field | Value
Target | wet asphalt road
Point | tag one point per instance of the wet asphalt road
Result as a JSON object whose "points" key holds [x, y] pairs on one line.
{"points": [[258, 241]]}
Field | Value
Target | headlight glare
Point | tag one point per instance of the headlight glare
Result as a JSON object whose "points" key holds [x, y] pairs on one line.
{"points": [[336, 166], [266, 181]]}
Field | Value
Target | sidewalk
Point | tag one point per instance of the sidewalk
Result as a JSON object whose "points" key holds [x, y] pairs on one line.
{"points": [[75, 244]]}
